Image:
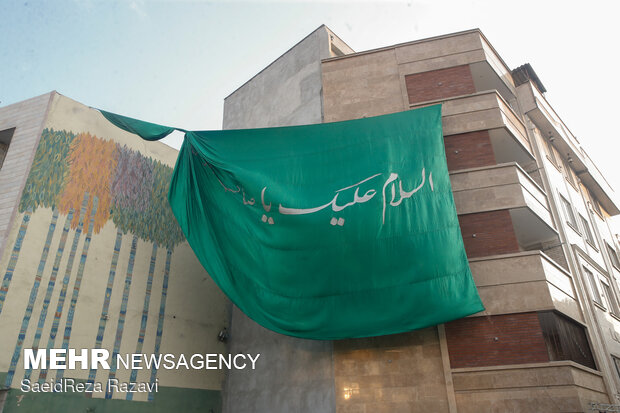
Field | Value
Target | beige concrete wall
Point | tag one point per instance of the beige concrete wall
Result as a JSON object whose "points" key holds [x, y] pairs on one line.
{"points": [[556, 386], [522, 282], [367, 85], [396, 373], [195, 309], [497, 187], [373, 83]]}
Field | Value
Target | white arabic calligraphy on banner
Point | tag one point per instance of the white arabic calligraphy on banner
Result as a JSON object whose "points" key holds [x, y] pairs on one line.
{"points": [[389, 187]]}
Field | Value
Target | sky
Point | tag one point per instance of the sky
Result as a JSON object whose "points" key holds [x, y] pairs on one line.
{"points": [[174, 62]]}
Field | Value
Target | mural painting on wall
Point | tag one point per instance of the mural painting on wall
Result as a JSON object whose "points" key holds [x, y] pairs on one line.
{"points": [[89, 181]]}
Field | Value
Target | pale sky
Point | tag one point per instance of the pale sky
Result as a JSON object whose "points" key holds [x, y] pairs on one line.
{"points": [[174, 62]]}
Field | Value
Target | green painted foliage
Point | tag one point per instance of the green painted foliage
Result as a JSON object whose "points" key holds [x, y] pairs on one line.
{"points": [[162, 224], [49, 171]]}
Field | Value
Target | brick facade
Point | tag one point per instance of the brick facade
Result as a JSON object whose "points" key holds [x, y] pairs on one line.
{"points": [[439, 84], [496, 340], [469, 150], [493, 230]]}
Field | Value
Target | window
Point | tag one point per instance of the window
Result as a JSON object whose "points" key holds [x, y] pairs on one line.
{"points": [[613, 256], [565, 339], [5, 140], [587, 230], [595, 205], [596, 295], [568, 173], [551, 153], [612, 301], [570, 214], [617, 363]]}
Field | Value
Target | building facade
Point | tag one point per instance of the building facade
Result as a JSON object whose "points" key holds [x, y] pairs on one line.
{"points": [[92, 257], [534, 214]]}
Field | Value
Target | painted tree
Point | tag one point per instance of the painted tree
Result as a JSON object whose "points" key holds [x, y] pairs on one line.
{"points": [[46, 180], [130, 191], [91, 180], [92, 163], [139, 206], [165, 231]]}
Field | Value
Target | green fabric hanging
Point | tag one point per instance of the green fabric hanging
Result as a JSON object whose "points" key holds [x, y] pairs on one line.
{"points": [[146, 130], [328, 231]]}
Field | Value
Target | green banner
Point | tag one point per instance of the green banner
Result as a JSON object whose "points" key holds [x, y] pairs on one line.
{"points": [[328, 231]]}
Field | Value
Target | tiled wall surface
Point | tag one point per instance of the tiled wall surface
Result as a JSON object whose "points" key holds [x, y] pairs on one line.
{"points": [[396, 373], [27, 118]]}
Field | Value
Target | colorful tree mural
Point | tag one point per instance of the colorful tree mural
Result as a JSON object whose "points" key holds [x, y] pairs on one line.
{"points": [[91, 180], [139, 206], [93, 162], [161, 225], [162, 229], [45, 181], [131, 189]]}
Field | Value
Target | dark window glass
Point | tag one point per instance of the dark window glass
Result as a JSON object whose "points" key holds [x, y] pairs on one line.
{"points": [[612, 302], [551, 153], [617, 363], [565, 339], [613, 256], [594, 203], [587, 230], [568, 173], [597, 207], [568, 210], [5, 140], [596, 295]]}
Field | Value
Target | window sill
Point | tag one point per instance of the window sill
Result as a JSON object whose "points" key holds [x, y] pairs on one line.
{"points": [[573, 185], [592, 245], [554, 164], [598, 214], [599, 305], [573, 227]]}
